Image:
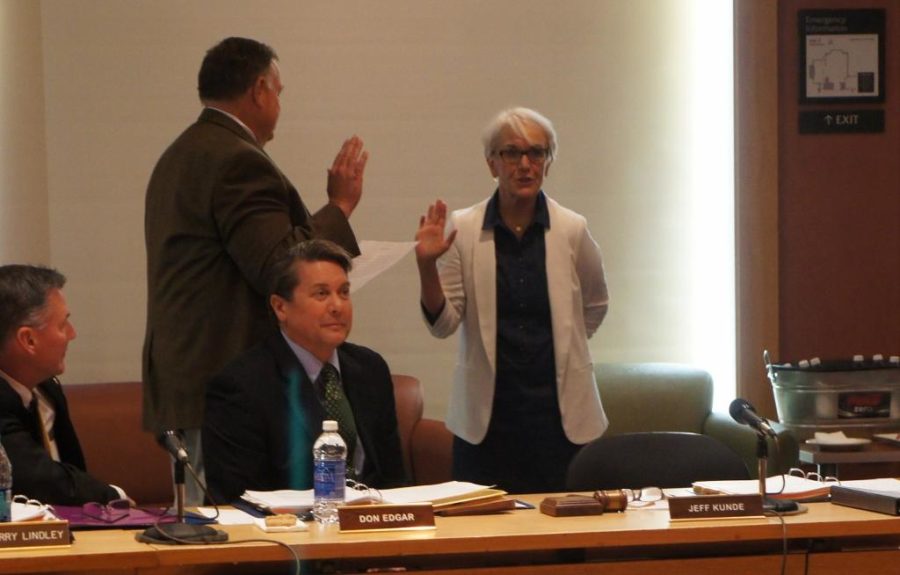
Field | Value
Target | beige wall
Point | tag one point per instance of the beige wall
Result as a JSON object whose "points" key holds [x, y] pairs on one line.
{"points": [[24, 236], [417, 80]]}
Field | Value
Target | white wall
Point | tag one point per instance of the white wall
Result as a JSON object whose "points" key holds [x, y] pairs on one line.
{"points": [[417, 80]]}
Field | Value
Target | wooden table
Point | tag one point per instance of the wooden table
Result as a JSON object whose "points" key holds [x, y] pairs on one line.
{"points": [[832, 539]]}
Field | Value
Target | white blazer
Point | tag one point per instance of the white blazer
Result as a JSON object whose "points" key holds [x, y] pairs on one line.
{"points": [[578, 304]]}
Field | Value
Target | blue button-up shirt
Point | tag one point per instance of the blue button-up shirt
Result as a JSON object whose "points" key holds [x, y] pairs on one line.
{"points": [[526, 370]]}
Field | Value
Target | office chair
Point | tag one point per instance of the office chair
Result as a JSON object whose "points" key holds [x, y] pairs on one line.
{"points": [[659, 459]]}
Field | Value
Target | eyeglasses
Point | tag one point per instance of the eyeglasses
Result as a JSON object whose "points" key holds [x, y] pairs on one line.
{"points": [[513, 156], [115, 510], [644, 496], [812, 476]]}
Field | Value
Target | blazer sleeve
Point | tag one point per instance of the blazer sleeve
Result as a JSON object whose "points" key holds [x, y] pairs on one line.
{"points": [[451, 270], [36, 474], [259, 215], [589, 266]]}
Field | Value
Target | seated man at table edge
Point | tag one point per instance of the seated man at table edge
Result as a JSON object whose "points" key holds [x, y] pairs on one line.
{"points": [[265, 409], [35, 427]]}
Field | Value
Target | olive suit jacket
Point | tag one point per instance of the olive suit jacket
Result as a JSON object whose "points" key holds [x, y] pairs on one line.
{"points": [[218, 213]]}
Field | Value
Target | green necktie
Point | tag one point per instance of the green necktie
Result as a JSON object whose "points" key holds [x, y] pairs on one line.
{"points": [[337, 407]]}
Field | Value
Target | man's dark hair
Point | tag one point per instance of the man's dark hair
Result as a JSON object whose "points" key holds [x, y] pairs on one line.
{"points": [[23, 295], [231, 67], [284, 274]]}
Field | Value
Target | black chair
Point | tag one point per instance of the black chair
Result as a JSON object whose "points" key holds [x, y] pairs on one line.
{"points": [[658, 459]]}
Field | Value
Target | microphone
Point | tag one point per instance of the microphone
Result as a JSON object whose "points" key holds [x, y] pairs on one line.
{"points": [[743, 412], [171, 441]]}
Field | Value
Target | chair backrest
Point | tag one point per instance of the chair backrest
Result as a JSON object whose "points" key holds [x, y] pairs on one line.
{"points": [[631, 390], [107, 419], [410, 403], [659, 459]]}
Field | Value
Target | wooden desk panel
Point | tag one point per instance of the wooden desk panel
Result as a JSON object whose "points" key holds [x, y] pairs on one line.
{"points": [[106, 551], [615, 544]]}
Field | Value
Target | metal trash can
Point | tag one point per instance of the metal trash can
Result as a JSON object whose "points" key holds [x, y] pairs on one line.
{"points": [[859, 396]]}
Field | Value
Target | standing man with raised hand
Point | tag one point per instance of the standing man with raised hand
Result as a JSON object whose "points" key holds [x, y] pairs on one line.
{"points": [[219, 212]]}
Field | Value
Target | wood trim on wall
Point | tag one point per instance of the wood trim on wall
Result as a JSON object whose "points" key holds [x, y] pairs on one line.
{"points": [[756, 195]]}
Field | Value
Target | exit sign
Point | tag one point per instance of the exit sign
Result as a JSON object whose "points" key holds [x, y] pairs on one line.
{"points": [[842, 122]]}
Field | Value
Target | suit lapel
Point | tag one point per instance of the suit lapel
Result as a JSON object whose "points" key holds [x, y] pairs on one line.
{"points": [[301, 412], [559, 288]]}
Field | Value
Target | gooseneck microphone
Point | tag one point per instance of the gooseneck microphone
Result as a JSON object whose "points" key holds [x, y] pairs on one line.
{"points": [[743, 412], [171, 441], [180, 531]]}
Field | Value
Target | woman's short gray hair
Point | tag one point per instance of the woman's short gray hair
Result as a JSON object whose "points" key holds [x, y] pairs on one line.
{"points": [[516, 119]]}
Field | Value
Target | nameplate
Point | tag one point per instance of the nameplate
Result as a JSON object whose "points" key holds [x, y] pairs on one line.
{"points": [[386, 517], [715, 507], [21, 534]]}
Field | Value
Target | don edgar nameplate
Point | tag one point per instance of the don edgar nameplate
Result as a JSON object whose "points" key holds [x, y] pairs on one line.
{"points": [[386, 517], [715, 507]]}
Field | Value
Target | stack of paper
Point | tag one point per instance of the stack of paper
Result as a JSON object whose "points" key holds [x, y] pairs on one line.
{"points": [[794, 487], [441, 495], [778, 486]]}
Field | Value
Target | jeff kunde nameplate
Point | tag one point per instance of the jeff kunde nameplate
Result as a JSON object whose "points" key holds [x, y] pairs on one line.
{"points": [[386, 517], [715, 507]]}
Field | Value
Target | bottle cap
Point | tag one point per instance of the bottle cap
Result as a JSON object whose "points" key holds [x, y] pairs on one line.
{"points": [[329, 425], [803, 363], [858, 358], [877, 357], [894, 359], [815, 361]]}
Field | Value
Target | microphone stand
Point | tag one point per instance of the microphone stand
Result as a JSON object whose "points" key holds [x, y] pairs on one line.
{"points": [[769, 503], [181, 532]]}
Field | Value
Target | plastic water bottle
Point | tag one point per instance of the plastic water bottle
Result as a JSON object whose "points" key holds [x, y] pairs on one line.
{"points": [[5, 486], [329, 473]]}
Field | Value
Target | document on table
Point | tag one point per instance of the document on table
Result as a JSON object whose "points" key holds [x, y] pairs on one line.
{"points": [[794, 487], [226, 516], [376, 258], [294, 501], [778, 486]]}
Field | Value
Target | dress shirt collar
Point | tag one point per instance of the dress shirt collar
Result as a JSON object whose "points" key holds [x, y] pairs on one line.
{"points": [[23, 391], [311, 363], [236, 119], [492, 217]]}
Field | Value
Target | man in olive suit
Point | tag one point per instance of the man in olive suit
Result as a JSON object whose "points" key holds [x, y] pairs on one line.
{"points": [[218, 213]]}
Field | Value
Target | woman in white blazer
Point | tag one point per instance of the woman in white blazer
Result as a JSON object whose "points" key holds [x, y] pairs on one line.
{"points": [[524, 279]]}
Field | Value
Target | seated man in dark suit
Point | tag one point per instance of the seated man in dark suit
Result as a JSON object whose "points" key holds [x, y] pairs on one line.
{"points": [[35, 428], [265, 409]]}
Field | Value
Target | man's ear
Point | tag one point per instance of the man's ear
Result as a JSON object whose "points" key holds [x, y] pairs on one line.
{"points": [[257, 89], [277, 302], [25, 338]]}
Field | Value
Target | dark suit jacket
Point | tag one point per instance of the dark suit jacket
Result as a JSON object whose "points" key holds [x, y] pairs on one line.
{"points": [[35, 473], [218, 213], [262, 417]]}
